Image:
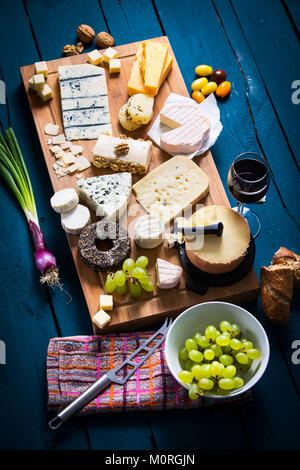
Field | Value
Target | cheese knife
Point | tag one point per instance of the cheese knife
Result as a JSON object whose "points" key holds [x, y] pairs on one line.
{"points": [[112, 376]]}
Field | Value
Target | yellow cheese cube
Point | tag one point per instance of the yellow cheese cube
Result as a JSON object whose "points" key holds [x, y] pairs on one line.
{"points": [[41, 67], [46, 93], [155, 57], [101, 319], [106, 302], [109, 54], [94, 57], [37, 82], [114, 66]]}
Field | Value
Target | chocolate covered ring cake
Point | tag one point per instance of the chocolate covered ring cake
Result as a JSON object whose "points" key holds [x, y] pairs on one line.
{"points": [[99, 260]]}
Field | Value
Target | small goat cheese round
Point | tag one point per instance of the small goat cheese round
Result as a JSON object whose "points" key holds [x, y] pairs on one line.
{"points": [[75, 220], [64, 200]]}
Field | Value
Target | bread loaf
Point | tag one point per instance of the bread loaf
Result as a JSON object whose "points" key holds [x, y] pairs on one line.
{"points": [[277, 291], [289, 258]]}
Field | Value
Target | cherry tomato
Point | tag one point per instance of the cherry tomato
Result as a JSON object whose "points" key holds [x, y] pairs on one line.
{"points": [[209, 88], [198, 96], [219, 76], [223, 89], [199, 83], [203, 70]]}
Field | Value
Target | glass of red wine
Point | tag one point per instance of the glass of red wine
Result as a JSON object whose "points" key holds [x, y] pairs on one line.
{"points": [[248, 181]]}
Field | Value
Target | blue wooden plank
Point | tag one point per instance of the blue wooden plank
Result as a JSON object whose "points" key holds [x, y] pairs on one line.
{"points": [[270, 35], [74, 319], [239, 135], [292, 7], [26, 323]]}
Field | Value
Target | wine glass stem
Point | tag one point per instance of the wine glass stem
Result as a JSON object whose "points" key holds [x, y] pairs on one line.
{"points": [[240, 208]]}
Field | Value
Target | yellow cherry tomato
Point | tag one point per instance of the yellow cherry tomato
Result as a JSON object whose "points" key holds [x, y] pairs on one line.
{"points": [[198, 96], [203, 70], [223, 89], [209, 88], [199, 83]]}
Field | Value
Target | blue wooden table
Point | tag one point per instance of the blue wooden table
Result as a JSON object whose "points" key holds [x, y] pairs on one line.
{"points": [[257, 43]]}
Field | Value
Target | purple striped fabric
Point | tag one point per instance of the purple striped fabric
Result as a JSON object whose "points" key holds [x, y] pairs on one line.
{"points": [[75, 363]]}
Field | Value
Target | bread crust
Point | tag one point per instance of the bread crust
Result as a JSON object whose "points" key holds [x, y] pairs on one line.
{"points": [[288, 257], [277, 283]]}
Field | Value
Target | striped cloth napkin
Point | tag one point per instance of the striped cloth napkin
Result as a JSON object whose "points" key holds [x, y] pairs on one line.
{"points": [[74, 363]]}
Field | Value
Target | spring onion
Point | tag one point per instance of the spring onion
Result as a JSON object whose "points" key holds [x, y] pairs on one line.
{"points": [[14, 172]]}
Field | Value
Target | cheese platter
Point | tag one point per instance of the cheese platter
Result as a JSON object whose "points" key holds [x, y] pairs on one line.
{"points": [[76, 159]]}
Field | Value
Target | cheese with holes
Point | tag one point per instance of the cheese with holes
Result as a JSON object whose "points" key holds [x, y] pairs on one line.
{"points": [[136, 81], [189, 128], [84, 101], [149, 231], [107, 195], [172, 187], [101, 319], [167, 274], [219, 254], [135, 160]]}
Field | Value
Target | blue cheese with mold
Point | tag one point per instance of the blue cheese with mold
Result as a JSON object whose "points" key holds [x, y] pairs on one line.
{"points": [[107, 195], [85, 108]]}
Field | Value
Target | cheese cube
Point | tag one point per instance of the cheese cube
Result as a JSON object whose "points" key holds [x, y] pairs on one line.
{"points": [[37, 82], [109, 54], [41, 67], [76, 149], [82, 163], [114, 66], [55, 148], [59, 153], [66, 145], [94, 57], [46, 93], [101, 319], [59, 139], [106, 302], [68, 158]]}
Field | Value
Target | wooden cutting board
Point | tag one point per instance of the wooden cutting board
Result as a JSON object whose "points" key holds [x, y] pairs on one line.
{"points": [[130, 313]]}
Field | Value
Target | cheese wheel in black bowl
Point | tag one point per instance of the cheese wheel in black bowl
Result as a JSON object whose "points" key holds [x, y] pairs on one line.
{"points": [[93, 256]]}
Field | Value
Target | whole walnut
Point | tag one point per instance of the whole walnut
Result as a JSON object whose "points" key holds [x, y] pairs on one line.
{"points": [[104, 40], [85, 33]]}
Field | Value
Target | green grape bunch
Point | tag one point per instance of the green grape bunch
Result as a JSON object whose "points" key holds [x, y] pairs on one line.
{"points": [[213, 361], [133, 276]]}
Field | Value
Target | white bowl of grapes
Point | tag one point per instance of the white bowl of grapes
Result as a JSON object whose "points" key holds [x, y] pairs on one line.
{"points": [[217, 349]]}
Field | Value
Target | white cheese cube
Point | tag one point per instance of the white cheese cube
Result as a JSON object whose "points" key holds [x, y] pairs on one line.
{"points": [[101, 319], [37, 82], [83, 163], [51, 129], [59, 139], [68, 158], [66, 145], [95, 57], [72, 168], [109, 54], [114, 66], [46, 93], [49, 141], [41, 67], [59, 153], [106, 302], [76, 149], [55, 148]]}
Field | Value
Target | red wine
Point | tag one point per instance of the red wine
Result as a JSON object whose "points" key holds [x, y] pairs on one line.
{"points": [[248, 180]]}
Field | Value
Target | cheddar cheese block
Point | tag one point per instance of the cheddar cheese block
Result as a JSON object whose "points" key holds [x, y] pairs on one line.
{"points": [[136, 80], [222, 254], [171, 187]]}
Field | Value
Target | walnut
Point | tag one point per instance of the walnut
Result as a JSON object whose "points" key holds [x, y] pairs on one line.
{"points": [[121, 149], [104, 39], [85, 33], [79, 47], [69, 50]]}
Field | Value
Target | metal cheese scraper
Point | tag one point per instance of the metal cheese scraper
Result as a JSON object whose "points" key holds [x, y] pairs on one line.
{"points": [[111, 376]]}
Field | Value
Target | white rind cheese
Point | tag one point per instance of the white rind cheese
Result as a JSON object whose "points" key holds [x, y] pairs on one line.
{"points": [[167, 274], [75, 220], [107, 195], [84, 99], [64, 200], [149, 231]]}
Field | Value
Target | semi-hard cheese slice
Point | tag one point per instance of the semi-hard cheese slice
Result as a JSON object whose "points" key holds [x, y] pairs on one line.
{"points": [[219, 254], [167, 274], [155, 54], [107, 195], [172, 187], [189, 128], [122, 154]]}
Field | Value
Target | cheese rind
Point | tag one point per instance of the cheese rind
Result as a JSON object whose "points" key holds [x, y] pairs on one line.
{"points": [[64, 200], [76, 219], [167, 274], [171, 187], [140, 109], [101, 319], [136, 160], [219, 254], [149, 231], [125, 122]]}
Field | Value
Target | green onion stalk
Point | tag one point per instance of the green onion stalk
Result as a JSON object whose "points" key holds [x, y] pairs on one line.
{"points": [[14, 172]]}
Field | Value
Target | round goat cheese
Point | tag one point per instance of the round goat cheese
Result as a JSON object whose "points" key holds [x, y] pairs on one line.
{"points": [[75, 220], [64, 200], [149, 231]]}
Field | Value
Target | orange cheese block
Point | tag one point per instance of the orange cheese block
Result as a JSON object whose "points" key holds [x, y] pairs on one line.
{"points": [[219, 255], [136, 80]]}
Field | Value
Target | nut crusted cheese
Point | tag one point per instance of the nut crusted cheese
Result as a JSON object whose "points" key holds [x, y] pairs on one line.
{"points": [[136, 160], [220, 254], [171, 187]]}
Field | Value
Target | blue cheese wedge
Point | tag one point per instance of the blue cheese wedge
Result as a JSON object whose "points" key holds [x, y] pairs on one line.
{"points": [[84, 100], [107, 195]]}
